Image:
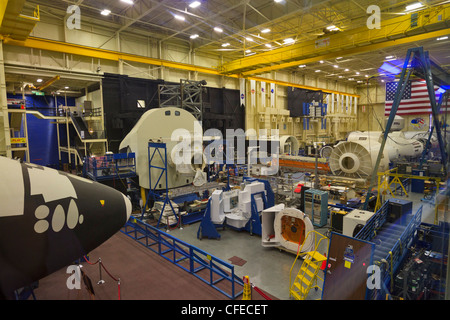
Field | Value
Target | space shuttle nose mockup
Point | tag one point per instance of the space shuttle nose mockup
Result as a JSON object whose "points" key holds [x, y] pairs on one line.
{"points": [[49, 219]]}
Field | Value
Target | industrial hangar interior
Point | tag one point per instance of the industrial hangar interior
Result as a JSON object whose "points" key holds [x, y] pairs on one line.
{"points": [[224, 150]]}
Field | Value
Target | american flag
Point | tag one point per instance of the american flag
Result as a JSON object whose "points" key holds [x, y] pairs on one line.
{"points": [[415, 99]]}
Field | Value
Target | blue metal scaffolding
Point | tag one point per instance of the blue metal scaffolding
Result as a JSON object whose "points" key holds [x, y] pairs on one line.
{"points": [[416, 61], [157, 148]]}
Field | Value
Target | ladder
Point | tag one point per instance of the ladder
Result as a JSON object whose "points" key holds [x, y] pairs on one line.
{"points": [[307, 276]]}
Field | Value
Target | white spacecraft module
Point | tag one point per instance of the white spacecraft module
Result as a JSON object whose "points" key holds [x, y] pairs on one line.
{"points": [[286, 228], [356, 157], [182, 134]]}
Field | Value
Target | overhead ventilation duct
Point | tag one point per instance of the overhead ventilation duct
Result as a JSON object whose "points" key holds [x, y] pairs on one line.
{"points": [[355, 158]]}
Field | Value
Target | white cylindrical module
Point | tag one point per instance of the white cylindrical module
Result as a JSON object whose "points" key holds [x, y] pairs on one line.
{"points": [[291, 229], [289, 144], [176, 128], [356, 157]]}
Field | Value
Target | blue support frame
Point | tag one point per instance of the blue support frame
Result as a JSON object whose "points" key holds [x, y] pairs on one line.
{"points": [[207, 228], [415, 58], [157, 147]]}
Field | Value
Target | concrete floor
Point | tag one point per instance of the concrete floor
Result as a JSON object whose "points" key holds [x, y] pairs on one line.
{"points": [[269, 268]]}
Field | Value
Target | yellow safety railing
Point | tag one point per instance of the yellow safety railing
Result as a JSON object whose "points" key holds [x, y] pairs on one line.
{"points": [[318, 238]]}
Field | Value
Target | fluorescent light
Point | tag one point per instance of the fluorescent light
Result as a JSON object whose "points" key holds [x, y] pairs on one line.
{"points": [[340, 76], [302, 66], [336, 66], [265, 30], [357, 72], [248, 39], [332, 28], [442, 38], [278, 1], [414, 6], [178, 17], [195, 4], [194, 36], [389, 57], [321, 61], [217, 29], [366, 76], [268, 45], [225, 44], [127, 1], [288, 40], [346, 70], [39, 80], [248, 51], [105, 12], [338, 58], [66, 87], [317, 71]]}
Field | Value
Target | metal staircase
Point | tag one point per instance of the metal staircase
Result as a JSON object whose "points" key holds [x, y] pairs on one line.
{"points": [[308, 275], [385, 240]]}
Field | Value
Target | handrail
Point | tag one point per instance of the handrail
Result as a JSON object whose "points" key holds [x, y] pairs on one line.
{"points": [[395, 256], [299, 253], [195, 256]]}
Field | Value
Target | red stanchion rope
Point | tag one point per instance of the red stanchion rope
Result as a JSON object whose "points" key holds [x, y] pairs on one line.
{"points": [[261, 293], [104, 268]]}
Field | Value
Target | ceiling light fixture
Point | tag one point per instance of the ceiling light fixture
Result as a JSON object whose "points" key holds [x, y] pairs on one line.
{"points": [[217, 29], [317, 71], [321, 61], [336, 66], [127, 1], [194, 36], [178, 17], [105, 12], [248, 51], [39, 80], [195, 4], [288, 41], [248, 39], [389, 57], [442, 38], [265, 30], [414, 6], [338, 58], [302, 66], [346, 70], [225, 44], [268, 45], [332, 28]]}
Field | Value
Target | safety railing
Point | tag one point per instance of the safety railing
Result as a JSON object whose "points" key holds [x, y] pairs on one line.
{"points": [[395, 257], [119, 165], [211, 270], [374, 223]]}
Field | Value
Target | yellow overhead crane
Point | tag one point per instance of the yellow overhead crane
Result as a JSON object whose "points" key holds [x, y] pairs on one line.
{"points": [[432, 22]]}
